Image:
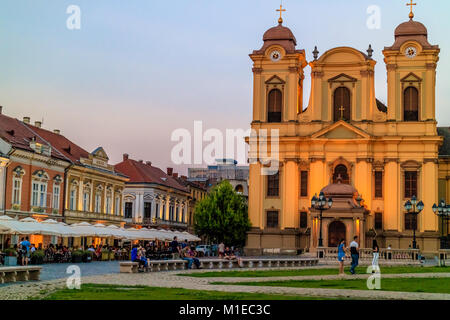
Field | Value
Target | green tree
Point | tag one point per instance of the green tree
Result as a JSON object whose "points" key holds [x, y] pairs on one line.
{"points": [[222, 216]]}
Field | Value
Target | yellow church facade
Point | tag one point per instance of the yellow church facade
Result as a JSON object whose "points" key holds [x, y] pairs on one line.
{"points": [[368, 157]]}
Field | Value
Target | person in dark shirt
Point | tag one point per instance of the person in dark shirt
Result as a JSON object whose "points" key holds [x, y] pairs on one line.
{"points": [[175, 247]]}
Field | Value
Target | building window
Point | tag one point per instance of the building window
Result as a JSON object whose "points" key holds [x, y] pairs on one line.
{"points": [[39, 194], [35, 194], [171, 213], [303, 183], [73, 199], [177, 215], [17, 188], [128, 210], [164, 212], [411, 104], [273, 185], [108, 203], [410, 221], [147, 209], [274, 107], [56, 190], [303, 219], [272, 219], [342, 104], [378, 221], [117, 206], [410, 184], [86, 200], [378, 184], [340, 172], [157, 210], [98, 202], [183, 215]]}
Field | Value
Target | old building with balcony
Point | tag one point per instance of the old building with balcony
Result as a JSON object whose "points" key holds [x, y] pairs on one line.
{"points": [[31, 172], [152, 197], [93, 189]]}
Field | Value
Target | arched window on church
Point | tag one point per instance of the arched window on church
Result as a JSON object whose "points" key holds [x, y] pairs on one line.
{"points": [[411, 104], [342, 105], [274, 107], [340, 172]]}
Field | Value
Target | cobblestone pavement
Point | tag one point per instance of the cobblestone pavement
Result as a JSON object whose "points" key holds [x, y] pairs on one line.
{"points": [[173, 280]]}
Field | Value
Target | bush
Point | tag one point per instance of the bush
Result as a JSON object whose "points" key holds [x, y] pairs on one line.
{"points": [[10, 252], [87, 256], [37, 257], [77, 256]]}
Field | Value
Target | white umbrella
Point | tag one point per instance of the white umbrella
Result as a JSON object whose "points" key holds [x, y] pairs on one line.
{"points": [[63, 229], [26, 226]]}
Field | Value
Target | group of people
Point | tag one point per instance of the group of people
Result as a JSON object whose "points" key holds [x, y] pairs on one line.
{"points": [[354, 252]]}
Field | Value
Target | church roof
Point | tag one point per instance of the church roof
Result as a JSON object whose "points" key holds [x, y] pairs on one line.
{"points": [[411, 30], [339, 189], [279, 35], [381, 106], [444, 150]]}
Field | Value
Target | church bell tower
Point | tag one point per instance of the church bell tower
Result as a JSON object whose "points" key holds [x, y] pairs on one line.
{"points": [[278, 76]]}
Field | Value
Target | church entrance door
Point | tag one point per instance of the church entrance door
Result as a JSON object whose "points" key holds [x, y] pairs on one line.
{"points": [[336, 232]]}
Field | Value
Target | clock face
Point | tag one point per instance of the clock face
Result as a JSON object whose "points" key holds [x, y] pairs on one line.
{"points": [[275, 56], [410, 52]]}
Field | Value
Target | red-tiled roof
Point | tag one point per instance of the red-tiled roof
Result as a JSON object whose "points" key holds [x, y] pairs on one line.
{"points": [[66, 147], [144, 173], [19, 135]]}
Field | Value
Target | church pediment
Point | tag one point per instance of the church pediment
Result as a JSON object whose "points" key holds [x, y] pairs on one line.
{"points": [[411, 77], [340, 130], [275, 80], [342, 78]]}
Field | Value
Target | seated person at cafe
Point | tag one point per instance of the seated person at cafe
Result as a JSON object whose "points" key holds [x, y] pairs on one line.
{"points": [[189, 255], [135, 257]]}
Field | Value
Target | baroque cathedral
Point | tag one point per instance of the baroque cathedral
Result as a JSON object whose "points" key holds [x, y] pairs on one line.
{"points": [[368, 157]]}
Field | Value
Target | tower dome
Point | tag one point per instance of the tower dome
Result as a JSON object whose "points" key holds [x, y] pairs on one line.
{"points": [[411, 30]]}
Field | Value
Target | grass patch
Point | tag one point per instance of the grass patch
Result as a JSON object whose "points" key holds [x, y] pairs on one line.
{"points": [[311, 272], [115, 292], [428, 285]]}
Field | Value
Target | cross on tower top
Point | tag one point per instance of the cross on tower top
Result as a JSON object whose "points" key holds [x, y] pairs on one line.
{"points": [[281, 10], [411, 13]]}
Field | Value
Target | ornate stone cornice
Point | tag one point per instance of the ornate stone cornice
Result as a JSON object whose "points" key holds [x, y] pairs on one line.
{"points": [[294, 69], [387, 160], [431, 65], [434, 160], [391, 67], [366, 159], [317, 74], [257, 70], [313, 159]]}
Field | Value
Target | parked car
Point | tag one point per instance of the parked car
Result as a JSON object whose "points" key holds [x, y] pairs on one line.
{"points": [[204, 250]]}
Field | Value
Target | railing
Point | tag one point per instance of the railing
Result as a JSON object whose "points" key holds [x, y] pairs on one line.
{"points": [[93, 215], [367, 253]]}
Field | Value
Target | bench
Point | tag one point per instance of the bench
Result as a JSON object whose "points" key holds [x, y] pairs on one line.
{"points": [[128, 267], [177, 264], [153, 265], [25, 273]]}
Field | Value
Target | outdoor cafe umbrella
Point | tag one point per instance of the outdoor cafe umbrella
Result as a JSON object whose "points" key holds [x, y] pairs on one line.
{"points": [[26, 226]]}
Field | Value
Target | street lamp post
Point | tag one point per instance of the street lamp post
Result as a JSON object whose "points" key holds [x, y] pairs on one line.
{"points": [[442, 211], [414, 207], [319, 203]]}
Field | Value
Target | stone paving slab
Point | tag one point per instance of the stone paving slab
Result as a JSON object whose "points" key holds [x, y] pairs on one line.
{"points": [[173, 280]]}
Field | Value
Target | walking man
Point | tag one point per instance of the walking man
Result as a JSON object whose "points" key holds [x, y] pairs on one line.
{"points": [[354, 250]]}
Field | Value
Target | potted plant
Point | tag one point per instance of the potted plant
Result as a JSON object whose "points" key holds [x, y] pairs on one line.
{"points": [[77, 256], [37, 257], [87, 256], [11, 257], [105, 254]]}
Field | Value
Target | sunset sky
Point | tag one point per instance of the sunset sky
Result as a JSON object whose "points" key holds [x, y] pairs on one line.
{"points": [[139, 69]]}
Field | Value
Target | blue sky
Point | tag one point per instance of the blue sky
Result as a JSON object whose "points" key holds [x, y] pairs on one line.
{"points": [[138, 69]]}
